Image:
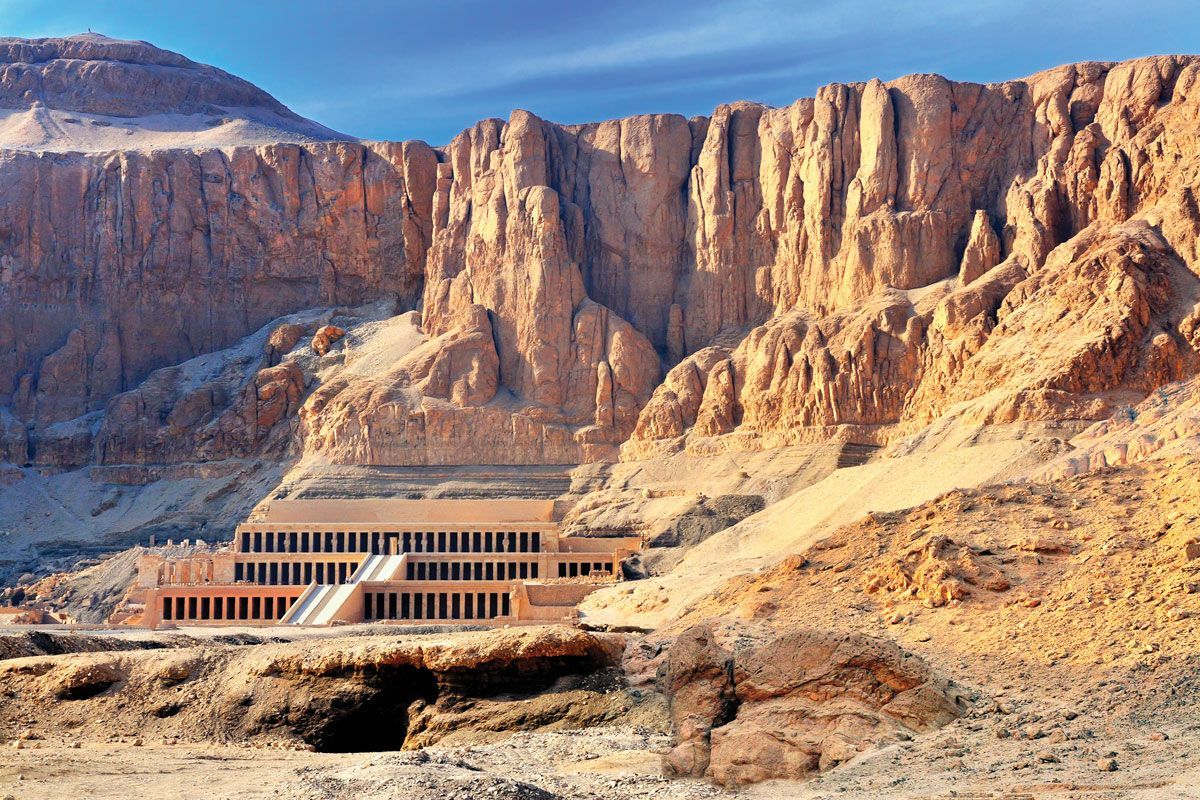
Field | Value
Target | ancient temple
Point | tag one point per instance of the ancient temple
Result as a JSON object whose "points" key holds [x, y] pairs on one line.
{"points": [[320, 562]]}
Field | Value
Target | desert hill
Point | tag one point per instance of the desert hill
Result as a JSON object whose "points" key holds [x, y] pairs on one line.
{"points": [[91, 93]]}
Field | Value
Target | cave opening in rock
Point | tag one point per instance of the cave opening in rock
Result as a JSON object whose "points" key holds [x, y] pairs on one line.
{"points": [[373, 717], [371, 711]]}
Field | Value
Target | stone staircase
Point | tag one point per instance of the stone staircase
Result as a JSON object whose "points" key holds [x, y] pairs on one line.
{"points": [[378, 568], [855, 455], [320, 603]]}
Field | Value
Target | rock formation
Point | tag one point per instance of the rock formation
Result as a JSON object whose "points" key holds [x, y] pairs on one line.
{"points": [[329, 698], [94, 74], [852, 266], [982, 252], [748, 706], [959, 163]]}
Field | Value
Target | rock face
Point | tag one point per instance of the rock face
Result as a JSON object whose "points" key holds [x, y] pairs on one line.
{"points": [[94, 74], [1025, 331], [119, 265], [383, 417], [747, 706], [237, 403], [338, 696], [852, 266]]}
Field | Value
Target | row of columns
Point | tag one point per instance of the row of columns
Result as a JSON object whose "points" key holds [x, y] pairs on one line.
{"points": [[471, 570], [291, 573], [225, 607], [436, 605], [390, 542], [288, 573], [573, 569]]}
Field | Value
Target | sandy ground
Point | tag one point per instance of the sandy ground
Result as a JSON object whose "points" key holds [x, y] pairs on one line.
{"points": [[610, 763], [808, 514], [600, 763]]}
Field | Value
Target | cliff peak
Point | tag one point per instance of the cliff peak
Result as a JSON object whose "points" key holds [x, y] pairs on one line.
{"points": [[90, 92]]}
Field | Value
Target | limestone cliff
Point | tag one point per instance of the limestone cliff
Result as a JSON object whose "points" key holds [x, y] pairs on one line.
{"points": [[854, 266], [1060, 207]]}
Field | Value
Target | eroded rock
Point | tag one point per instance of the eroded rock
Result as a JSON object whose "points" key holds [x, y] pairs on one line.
{"points": [[350, 694], [939, 571], [748, 705], [324, 338]]}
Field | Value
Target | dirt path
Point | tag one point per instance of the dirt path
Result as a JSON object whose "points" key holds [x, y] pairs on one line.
{"points": [[607, 764]]}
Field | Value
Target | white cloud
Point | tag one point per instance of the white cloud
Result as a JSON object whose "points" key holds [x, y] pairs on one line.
{"points": [[741, 26]]}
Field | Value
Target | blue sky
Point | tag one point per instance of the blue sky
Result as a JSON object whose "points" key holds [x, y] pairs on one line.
{"points": [[401, 70]]}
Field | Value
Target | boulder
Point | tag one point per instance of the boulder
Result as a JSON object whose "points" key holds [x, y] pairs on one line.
{"points": [[324, 338], [748, 704], [281, 341]]}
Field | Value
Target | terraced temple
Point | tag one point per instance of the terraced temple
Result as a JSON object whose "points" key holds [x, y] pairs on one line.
{"points": [[317, 562]]}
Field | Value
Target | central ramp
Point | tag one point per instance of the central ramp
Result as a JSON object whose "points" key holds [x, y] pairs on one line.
{"points": [[322, 604], [378, 568]]}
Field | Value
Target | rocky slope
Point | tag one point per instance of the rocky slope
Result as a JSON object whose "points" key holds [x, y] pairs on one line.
{"points": [[1164, 425], [854, 265], [1062, 610]]}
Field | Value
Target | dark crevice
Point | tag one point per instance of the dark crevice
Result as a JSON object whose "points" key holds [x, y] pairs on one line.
{"points": [[371, 711], [373, 719]]}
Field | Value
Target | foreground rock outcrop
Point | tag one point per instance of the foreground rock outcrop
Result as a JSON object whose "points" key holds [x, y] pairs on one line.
{"points": [[366, 693], [747, 705]]}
